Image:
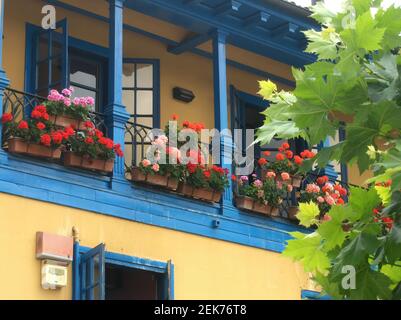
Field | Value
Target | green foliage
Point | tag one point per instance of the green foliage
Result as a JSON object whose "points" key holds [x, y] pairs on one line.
{"points": [[308, 213], [355, 86]]}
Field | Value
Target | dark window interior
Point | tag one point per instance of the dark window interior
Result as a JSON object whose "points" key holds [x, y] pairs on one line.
{"points": [[124, 283], [87, 76]]}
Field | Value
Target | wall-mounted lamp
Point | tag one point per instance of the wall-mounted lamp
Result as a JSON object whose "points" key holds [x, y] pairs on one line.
{"points": [[183, 94]]}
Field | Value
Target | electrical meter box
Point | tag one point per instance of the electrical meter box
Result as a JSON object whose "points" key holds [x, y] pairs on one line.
{"points": [[53, 276]]}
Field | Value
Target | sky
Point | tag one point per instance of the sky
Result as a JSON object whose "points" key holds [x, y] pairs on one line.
{"points": [[336, 4]]}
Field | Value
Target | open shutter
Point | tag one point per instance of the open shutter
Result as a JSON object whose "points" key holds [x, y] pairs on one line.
{"points": [[51, 59], [237, 114], [92, 274], [168, 282]]}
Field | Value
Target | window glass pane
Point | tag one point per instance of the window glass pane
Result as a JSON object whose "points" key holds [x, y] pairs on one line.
{"points": [[57, 41], [57, 70], [129, 75], [145, 121], [144, 101], [83, 72], [145, 76], [43, 50], [43, 75], [129, 101]]}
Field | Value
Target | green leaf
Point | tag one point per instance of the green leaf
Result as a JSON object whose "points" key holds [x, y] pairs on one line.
{"points": [[390, 19], [267, 88], [365, 35], [371, 285], [322, 13], [307, 250], [281, 129], [384, 194], [307, 213], [393, 272], [323, 43], [392, 246], [363, 202], [332, 231], [357, 251]]}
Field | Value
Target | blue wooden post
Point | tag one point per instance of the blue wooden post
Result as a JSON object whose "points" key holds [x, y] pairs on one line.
{"points": [[116, 114], [220, 107], [4, 82]]}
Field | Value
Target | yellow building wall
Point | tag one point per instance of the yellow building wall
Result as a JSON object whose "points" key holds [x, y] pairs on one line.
{"points": [[186, 70], [204, 268]]}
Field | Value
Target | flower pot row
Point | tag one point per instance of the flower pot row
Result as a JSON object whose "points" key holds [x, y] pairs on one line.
{"points": [[64, 121], [171, 183], [252, 205], [70, 159]]}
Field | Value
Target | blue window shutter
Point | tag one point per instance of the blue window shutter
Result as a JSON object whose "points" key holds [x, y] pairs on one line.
{"points": [[53, 38], [169, 282], [65, 79], [92, 274]]}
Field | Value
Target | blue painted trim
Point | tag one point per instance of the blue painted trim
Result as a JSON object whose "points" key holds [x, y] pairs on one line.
{"points": [[75, 273], [56, 184], [188, 44], [137, 263], [261, 42], [313, 295], [170, 42], [253, 100]]}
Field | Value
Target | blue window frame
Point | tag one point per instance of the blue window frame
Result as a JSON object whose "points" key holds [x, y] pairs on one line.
{"points": [[89, 272], [141, 91], [54, 60], [141, 97]]}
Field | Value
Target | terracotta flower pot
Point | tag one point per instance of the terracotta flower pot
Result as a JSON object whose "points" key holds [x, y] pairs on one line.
{"points": [[199, 193], [71, 159], [249, 204], [335, 115], [18, 145], [65, 121], [137, 175], [292, 213], [167, 182]]}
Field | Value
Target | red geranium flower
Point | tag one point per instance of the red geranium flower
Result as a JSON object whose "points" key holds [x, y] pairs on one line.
{"points": [[46, 140], [388, 222], [233, 178], [191, 167], [174, 117], [285, 146], [89, 125], [262, 161], [40, 126], [280, 157], [57, 137], [322, 180], [7, 117], [266, 153], [186, 123], [23, 125], [207, 174], [298, 160], [289, 154], [340, 201], [89, 140]]}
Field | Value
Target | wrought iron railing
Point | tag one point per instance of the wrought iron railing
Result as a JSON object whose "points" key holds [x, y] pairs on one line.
{"points": [[137, 140], [20, 104]]}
